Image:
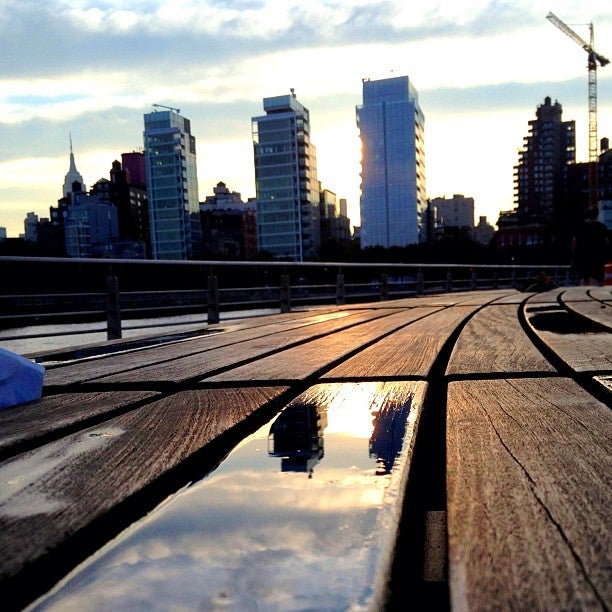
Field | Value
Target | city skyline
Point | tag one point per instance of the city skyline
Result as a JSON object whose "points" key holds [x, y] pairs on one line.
{"points": [[93, 68]]}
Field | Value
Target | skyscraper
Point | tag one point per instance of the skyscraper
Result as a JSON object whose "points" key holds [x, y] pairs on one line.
{"points": [[72, 176], [286, 183], [172, 185], [393, 197], [541, 173]]}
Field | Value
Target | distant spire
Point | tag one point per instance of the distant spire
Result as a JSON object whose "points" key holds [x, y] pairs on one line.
{"points": [[73, 174]]}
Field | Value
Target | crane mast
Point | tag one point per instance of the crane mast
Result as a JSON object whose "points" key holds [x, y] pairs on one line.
{"points": [[593, 59]]}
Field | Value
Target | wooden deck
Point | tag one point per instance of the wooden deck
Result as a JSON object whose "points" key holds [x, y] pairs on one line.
{"points": [[503, 492]]}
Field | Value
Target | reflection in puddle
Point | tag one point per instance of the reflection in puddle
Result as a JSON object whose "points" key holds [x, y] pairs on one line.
{"points": [[388, 435], [256, 535], [296, 436]]}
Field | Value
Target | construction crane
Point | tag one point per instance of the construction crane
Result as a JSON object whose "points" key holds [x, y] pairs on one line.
{"points": [[594, 59]]}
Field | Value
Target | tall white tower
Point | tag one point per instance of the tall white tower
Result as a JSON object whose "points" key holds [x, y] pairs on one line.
{"points": [[393, 195], [73, 175], [288, 224]]}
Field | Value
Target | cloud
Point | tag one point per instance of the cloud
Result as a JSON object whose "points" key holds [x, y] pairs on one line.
{"points": [[93, 67], [175, 35]]}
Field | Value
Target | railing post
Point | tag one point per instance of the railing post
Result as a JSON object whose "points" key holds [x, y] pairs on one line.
{"points": [[340, 289], [420, 283], [473, 283], [113, 308], [213, 299], [384, 287], [449, 281], [285, 294]]}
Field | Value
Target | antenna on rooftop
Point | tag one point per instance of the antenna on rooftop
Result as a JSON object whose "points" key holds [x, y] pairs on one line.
{"points": [[176, 110]]}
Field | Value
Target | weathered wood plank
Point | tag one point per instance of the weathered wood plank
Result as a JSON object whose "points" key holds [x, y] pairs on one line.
{"points": [[194, 366], [605, 382], [25, 423], [442, 300], [582, 304], [48, 494], [529, 480], [516, 297], [576, 294], [146, 335], [481, 298], [546, 297], [91, 369], [410, 351], [494, 341], [306, 359], [582, 346], [603, 294]]}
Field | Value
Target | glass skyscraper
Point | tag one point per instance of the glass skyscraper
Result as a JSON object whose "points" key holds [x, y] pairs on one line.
{"points": [[172, 185], [287, 190], [393, 196]]}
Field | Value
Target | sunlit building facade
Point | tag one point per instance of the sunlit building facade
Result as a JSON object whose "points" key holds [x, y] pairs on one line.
{"points": [[172, 186], [393, 194], [287, 191], [457, 212]]}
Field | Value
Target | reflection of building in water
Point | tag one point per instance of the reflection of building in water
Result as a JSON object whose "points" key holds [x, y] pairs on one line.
{"points": [[388, 435], [296, 436]]}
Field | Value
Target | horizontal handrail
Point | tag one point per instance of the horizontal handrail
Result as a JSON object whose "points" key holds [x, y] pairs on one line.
{"points": [[273, 264], [218, 286]]}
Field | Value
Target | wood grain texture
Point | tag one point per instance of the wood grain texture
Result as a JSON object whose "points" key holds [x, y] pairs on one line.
{"points": [[546, 297], [48, 494], [301, 361], [94, 369], [410, 351], [200, 365], [516, 297], [529, 480], [599, 312], [494, 341], [577, 294], [481, 298], [603, 294], [529, 462], [579, 347], [27, 422]]}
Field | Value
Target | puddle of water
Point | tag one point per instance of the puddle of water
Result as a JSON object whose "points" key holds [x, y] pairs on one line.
{"points": [[289, 521]]}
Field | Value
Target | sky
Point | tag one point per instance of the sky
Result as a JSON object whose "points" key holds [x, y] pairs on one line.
{"points": [[92, 68]]}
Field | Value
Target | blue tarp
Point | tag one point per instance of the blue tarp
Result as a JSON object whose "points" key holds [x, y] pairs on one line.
{"points": [[21, 379]]}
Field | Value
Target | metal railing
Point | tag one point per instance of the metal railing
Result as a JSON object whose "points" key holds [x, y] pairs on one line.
{"points": [[129, 289]]}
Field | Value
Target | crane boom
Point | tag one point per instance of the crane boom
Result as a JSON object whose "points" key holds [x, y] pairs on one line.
{"points": [[593, 59], [588, 47]]}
